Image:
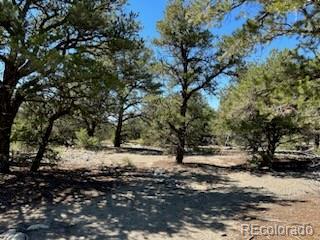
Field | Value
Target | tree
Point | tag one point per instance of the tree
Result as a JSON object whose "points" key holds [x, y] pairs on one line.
{"points": [[194, 59], [133, 70], [64, 94], [36, 35], [160, 111], [96, 102], [273, 19], [305, 71], [298, 19], [258, 107]]}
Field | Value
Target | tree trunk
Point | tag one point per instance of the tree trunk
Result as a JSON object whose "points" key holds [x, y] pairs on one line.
{"points": [[42, 147], [118, 132], [268, 156], [7, 116], [180, 151], [9, 106], [91, 127], [45, 140], [5, 133], [317, 141]]}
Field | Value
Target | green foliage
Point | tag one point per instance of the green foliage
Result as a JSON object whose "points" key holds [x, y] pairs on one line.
{"points": [[286, 18], [163, 111], [25, 132], [258, 109], [84, 141], [133, 69], [64, 131], [134, 128], [50, 50], [195, 58]]}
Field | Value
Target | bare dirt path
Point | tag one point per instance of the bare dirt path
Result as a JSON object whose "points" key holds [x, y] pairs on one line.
{"points": [[143, 195]]}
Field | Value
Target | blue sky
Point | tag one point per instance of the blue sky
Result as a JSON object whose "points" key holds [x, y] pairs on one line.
{"points": [[151, 11]]}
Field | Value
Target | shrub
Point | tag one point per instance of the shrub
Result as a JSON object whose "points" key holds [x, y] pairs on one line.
{"points": [[85, 141]]}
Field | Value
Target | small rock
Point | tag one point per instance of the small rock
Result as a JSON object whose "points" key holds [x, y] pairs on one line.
{"points": [[224, 235], [19, 236], [12, 234], [9, 232], [158, 172], [37, 227]]}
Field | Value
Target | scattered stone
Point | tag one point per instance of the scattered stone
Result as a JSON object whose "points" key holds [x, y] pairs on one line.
{"points": [[158, 172], [224, 235], [37, 227], [19, 236], [160, 180], [12, 234], [9, 233]]}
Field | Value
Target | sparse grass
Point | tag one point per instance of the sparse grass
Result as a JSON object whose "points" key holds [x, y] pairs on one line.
{"points": [[128, 162], [21, 147]]}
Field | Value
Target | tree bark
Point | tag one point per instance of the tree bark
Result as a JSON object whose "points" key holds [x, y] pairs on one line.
{"points": [[118, 132], [180, 149], [9, 106], [317, 141], [45, 140], [91, 128], [42, 147], [273, 140], [5, 133], [8, 112], [268, 157]]}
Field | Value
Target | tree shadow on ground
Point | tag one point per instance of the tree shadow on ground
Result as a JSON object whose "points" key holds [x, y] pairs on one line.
{"points": [[113, 204], [200, 151], [290, 168], [135, 150]]}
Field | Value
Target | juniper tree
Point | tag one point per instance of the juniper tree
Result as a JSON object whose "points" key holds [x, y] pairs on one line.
{"points": [[36, 35], [261, 107], [133, 69], [194, 58]]}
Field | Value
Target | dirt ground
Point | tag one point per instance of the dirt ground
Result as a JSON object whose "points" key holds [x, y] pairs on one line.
{"points": [[141, 194]]}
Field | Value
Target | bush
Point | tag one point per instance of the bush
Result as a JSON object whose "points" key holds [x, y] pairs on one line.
{"points": [[84, 141], [128, 163]]}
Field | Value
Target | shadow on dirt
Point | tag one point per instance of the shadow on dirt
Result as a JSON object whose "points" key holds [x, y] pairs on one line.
{"points": [[113, 203]]}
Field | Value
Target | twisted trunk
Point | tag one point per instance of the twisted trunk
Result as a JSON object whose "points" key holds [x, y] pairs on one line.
{"points": [[268, 155], [45, 140], [273, 138], [42, 147]]}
